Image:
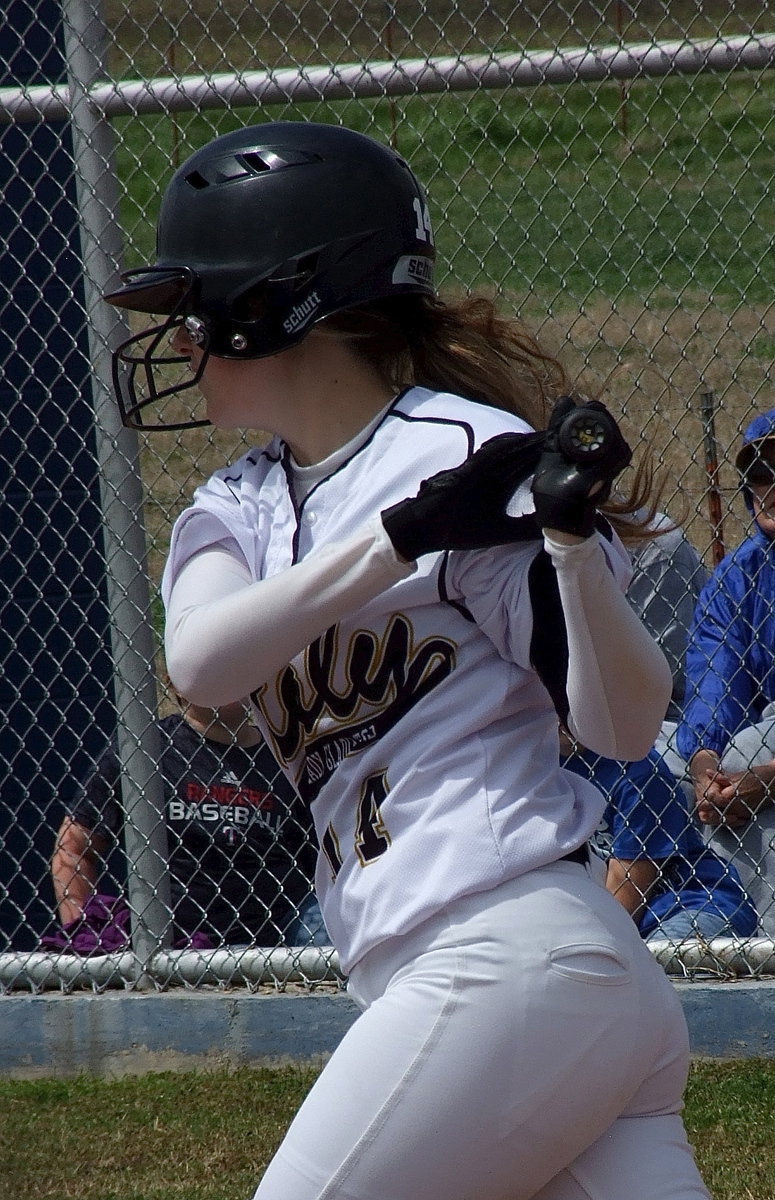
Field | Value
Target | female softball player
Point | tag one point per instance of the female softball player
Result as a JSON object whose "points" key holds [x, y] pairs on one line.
{"points": [[412, 585]]}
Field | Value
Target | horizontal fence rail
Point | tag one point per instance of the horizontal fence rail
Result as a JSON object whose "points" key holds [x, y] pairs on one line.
{"points": [[401, 78], [37, 972], [722, 958]]}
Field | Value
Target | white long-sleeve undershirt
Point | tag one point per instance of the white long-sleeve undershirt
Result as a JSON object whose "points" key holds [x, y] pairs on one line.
{"points": [[227, 634], [619, 682]]}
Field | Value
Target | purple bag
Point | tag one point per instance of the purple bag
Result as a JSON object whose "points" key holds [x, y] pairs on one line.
{"points": [[103, 928]]}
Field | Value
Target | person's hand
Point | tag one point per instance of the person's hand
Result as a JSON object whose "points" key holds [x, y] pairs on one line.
{"points": [[713, 802], [709, 782], [745, 794], [583, 454], [465, 508], [729, 798]]}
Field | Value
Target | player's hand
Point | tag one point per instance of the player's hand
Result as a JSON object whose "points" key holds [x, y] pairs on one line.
{"points": [[583, 454], [465, 508]]}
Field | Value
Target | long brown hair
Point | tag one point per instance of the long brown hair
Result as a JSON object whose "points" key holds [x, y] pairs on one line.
{"points": [[466, 346]]}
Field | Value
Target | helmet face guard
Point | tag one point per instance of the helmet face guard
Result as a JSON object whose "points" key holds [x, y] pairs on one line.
{"points": [[143, 378], [263, 233]]}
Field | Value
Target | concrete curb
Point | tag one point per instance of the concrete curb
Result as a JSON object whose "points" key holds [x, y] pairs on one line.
{"points": [[131, 1033]]}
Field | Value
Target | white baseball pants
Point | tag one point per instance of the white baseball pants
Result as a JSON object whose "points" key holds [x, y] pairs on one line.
{"points": [[521, 1043]]}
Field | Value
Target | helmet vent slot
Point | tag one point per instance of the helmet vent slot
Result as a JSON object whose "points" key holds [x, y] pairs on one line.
{"points": [[258, 164], [197, 180]]}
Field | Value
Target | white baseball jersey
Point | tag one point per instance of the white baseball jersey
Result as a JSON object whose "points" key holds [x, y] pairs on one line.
{"points": [[416, 727]]}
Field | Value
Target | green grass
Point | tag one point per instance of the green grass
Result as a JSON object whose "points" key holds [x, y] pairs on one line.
{"points": [[208, 1136], [729, 1109], [192, 1136], [542, 191]]}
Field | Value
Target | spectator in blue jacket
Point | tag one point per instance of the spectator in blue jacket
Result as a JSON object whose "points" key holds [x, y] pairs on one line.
{"points": [[657, 864], [727, 734]]}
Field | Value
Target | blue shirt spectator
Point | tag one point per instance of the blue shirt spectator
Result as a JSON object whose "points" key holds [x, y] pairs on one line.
{"points": [[730, 658], [686, 889], [726, 734]]}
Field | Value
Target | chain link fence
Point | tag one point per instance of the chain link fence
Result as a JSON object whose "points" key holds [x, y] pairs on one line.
{"points": [[605, 169]]}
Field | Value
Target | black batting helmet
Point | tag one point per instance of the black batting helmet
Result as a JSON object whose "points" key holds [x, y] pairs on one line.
{"points": [[261, 234]]}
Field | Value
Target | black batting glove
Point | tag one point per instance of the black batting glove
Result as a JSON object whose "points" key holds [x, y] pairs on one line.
{"points": [[584, 447], [464, 508]]}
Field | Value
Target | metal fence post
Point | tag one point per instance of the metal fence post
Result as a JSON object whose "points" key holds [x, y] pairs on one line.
{"points": [[145, 834]]}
